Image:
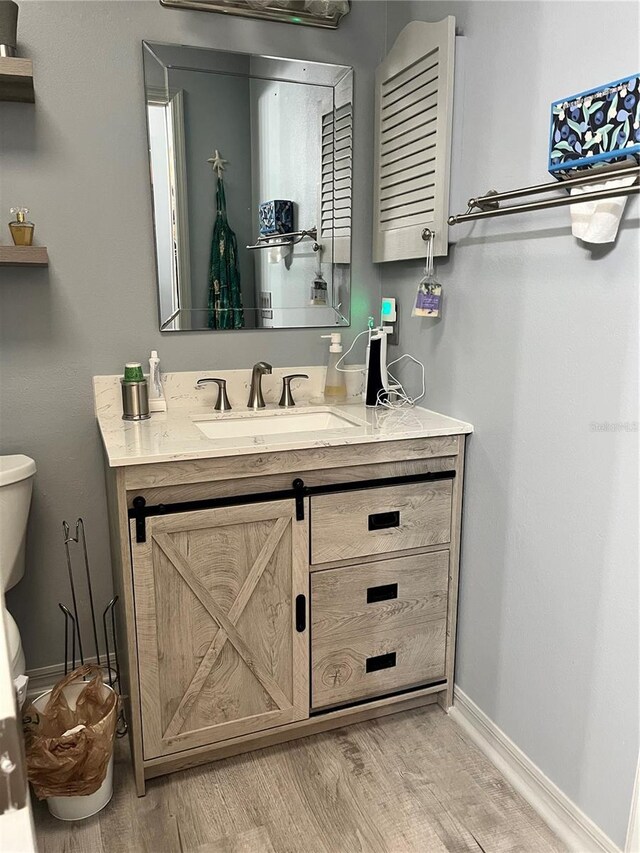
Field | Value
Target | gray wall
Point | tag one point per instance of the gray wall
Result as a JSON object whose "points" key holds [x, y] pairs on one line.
{"points": [[286, 124], [538, 342], [78, 160], [217, 115]]}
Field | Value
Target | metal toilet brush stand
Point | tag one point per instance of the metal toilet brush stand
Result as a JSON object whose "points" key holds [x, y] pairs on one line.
{"points": [[72, 630]]}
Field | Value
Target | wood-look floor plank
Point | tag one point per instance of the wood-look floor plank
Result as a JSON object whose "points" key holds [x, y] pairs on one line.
{"points": [[274, 798], [413, 823], [324, 784], [408, 783], [144, 824], [491, 791], [55, 836], [199, 799], [366, 781], [255, 841]]}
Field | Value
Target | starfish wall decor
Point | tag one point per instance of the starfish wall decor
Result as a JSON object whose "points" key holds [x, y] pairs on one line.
{"points": [[217, 163]]}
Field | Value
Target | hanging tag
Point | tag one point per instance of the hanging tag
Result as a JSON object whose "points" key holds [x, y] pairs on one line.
{"points": [[428, 302], [428, 299]]}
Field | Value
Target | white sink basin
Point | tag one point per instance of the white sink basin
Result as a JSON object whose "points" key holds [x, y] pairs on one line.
{"points": [[275, 423]]}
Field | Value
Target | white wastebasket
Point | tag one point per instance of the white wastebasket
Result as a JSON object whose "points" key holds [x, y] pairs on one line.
{"points": [[78, 808]]}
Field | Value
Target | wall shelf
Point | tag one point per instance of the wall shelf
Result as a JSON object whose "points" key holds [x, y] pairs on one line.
{"points": [[16, 79], [24, 256]]}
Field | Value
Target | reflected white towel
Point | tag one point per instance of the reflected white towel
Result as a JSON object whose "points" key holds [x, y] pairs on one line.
{"points": [[598, 221], [278, 253]]}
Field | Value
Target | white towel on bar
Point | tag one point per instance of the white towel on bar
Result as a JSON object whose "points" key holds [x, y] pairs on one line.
{"points": [[598, 221], [278, 253]]}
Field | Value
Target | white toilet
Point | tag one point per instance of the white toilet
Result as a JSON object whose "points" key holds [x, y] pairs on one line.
{"points": [[16, 484]]}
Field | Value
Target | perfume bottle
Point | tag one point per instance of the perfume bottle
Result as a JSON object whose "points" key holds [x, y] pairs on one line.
{"points": [[21, 230]]}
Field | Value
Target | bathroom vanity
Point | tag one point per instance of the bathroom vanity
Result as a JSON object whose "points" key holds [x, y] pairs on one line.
{"points": [[278, 581]]}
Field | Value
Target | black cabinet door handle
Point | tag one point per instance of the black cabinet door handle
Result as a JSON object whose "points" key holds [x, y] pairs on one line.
{"points": [[298, 492], [383, 520], [380, 662], [301, 613], [384, 592], [139, 504]]}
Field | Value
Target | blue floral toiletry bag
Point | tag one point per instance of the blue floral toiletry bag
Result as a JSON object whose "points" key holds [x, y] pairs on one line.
{"points": [[276, 217], [600, 125]]}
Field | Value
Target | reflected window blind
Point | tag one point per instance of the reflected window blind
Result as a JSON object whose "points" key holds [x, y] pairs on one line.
{"points": [[337, 175]]}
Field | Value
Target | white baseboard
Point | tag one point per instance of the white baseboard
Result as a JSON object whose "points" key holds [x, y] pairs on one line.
{"points": [[561, 814], [44, 678], [633, 832]]}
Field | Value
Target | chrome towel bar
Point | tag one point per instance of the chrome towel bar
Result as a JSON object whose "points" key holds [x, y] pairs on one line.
{"points": [[488, 205], [292, 238]]}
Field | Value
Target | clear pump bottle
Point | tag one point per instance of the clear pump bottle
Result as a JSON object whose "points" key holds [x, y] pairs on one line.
{"points": [[335, 388]]}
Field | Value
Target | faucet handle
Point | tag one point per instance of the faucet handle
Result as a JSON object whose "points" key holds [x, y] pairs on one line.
{"points": [[222, 403], [286, 399]]}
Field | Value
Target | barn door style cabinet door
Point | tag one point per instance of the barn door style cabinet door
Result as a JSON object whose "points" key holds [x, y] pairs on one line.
{"points": [[221, 616], [413, 126]]}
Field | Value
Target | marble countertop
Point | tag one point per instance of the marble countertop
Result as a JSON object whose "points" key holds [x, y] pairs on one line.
{"points": [[173, 435]]}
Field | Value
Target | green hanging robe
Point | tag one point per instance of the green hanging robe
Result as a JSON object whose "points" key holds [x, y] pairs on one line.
{"points": [[225, 295]]}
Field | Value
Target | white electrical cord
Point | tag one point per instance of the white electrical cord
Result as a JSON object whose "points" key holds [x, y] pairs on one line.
{"points": [[344, 355], [401, 400]]}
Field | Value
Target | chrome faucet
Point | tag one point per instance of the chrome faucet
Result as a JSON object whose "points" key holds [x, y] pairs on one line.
{"points": [[256, 400]]}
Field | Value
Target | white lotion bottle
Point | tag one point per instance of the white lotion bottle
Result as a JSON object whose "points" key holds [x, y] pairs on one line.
{"points": [[335, 387], [157, 402]]}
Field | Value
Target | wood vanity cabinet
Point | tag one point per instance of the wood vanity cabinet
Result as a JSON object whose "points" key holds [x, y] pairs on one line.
{"points": [[267, 597]]}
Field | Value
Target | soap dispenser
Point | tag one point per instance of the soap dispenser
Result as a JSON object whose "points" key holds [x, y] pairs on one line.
{"points": [[335, 388]]}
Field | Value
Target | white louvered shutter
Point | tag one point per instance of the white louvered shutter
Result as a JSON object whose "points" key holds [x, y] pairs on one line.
{"points": [[335, 205], [414, 107]]}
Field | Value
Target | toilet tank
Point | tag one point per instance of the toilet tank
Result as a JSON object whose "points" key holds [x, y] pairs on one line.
{"points": [[16, 483]]}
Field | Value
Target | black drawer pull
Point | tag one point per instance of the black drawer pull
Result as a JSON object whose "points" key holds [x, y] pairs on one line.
{"points": [[382, 593], [301, 613], [382, 520], [381, 662]]}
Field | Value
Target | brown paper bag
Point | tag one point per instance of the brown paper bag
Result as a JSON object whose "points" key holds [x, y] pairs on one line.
{"points": [[72, 764]]}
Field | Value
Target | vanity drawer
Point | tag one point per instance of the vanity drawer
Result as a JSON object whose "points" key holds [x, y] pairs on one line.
{"points": [[373, 664], [380, 520], [371, 597]]}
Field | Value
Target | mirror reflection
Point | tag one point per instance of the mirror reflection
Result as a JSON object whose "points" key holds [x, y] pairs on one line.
{"points": [[251, 172]]}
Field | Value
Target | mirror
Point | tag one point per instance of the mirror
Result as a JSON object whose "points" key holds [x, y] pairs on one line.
{"points": [[251, 171]]}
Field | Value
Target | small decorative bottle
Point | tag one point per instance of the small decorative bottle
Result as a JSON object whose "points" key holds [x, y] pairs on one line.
{"points": [[21, 230]]}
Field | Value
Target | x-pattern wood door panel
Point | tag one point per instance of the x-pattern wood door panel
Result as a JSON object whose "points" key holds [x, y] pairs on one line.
{"points": [[215, 599]]}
